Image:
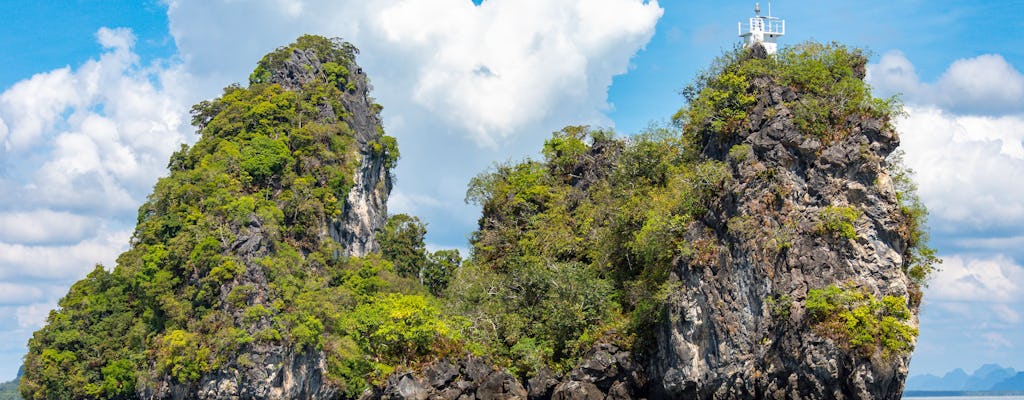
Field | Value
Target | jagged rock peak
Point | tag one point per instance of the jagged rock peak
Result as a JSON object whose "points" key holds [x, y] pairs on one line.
{"points": [[313, 59], [236, 276], [766, 245], [810, 232]]}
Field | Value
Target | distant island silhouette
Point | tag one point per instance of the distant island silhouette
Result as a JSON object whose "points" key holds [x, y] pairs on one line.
{"points": [[989, 379]]}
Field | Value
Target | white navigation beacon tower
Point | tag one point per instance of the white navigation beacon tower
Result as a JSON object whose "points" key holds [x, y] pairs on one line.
{"points": [[764, 30]]}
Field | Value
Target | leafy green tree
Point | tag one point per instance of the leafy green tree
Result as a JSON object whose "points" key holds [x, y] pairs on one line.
{"points": [[439, 269], [839, 220], [563, 150], [401, 242], [397, 329], [922, 260], [828, 76], [264, 157], [97, 325]]}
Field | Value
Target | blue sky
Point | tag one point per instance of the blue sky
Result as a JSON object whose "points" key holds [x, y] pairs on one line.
{"points": [[94, 97]]}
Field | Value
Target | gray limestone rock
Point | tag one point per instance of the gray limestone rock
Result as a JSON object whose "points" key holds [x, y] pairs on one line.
{"points": [[722, 340], [279, 371]]}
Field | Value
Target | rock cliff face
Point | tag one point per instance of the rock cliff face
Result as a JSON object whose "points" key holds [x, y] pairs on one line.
{"points": [[366, 204], [285, 375], [747, 252], [280, 370], [798, 211], [606, 372], [724, 338], [241, 264]]}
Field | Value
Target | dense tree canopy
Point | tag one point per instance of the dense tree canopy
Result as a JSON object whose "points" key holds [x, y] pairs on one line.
{"points": [[577, 247], [231, 252]]}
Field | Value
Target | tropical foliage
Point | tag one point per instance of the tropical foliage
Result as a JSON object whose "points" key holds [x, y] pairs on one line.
{"points": [[229, 254], [613, 215], [827, 76], [860, 321], [570, 249]]}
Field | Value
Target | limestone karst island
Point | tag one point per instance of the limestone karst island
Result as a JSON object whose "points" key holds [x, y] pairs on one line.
{"points": [[767, 243]]}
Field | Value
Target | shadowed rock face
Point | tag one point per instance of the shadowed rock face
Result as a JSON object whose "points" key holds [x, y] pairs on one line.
{"points": [[722, 339], [470, 377], [606, 372]]}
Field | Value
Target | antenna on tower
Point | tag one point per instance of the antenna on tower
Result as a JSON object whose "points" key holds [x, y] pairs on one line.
{"points": [[765, 30]]}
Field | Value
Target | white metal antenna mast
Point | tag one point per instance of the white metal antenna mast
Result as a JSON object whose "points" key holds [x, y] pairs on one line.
{"points": [[765, 30]]}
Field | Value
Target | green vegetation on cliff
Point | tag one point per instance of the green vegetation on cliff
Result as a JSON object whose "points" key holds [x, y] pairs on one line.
{"points": [[829, 93], [578, 247], [860, 321], [233, 255], [230, 254], [828, 78], [401, 242]]}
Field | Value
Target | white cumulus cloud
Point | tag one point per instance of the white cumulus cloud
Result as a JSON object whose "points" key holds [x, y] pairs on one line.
{"points": [[11, 293], [45, 226], [32, 316], [982, 85], [116, 38], [32, 106], [963, 136], [488, 71], [967, 167], [494, 68], [998, 280], [62, 263], [461, 85], [83, 147], [95, 138]]}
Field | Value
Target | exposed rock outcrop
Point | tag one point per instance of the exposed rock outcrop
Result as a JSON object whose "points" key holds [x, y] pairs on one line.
{"points": [[736, 321], [606, 372], [280, 371], [244, 279], [366, 204], [285, 375], [723, 339], [468, 378]]}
